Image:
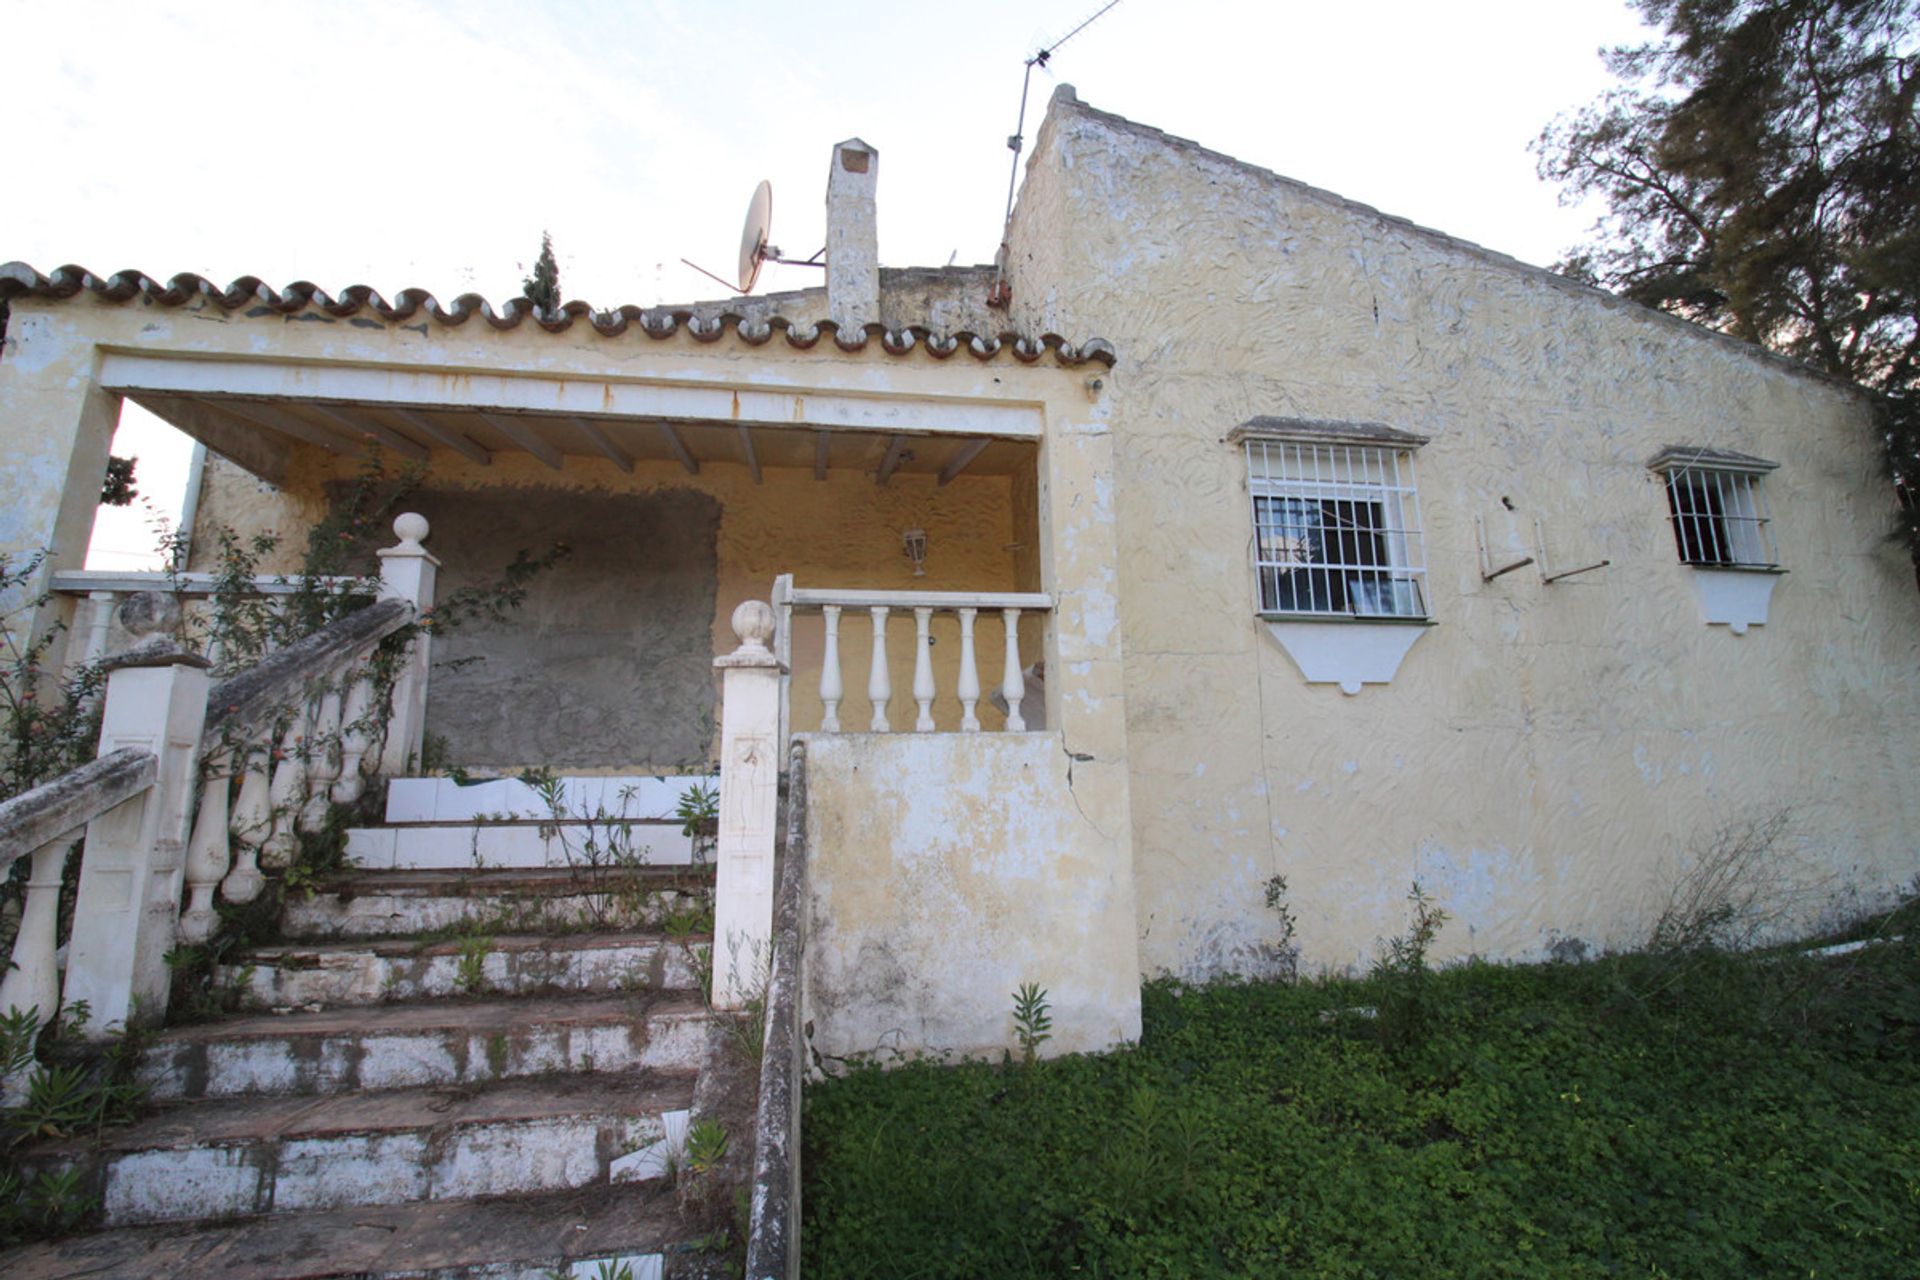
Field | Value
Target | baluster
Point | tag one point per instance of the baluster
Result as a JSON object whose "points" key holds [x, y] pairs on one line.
{"points": [[1013, 684], [208, 850], [102, 619], [286, 792], [969, 689], [879, 683], [354, 736], [34, 981], [831, 688], [923, 668], [323, 760], [252, 823]]}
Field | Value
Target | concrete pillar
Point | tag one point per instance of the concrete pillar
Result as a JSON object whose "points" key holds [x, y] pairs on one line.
{"points": [[55, 429], [749, 800], [408, 571], [127, 909], [853, 235]]}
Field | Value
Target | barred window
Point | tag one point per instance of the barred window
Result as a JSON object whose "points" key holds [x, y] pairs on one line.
{"points": [[1336, 521], [1717, 505]]}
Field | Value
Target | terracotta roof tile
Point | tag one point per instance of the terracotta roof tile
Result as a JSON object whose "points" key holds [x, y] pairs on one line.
{"points": [[253, 297]]}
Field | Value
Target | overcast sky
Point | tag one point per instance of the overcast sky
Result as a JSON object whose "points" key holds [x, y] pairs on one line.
{"points": [[429, 142]]}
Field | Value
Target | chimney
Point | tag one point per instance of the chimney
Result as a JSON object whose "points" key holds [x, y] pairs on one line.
{"points": [[853, 238]]}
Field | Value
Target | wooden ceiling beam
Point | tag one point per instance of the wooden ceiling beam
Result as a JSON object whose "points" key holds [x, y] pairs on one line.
{"points": [[382, 434], [961, 457], [271, 417], [523, 436], [753, 459], [597, 437], [679, 447], [896, 453], [444, 435]]}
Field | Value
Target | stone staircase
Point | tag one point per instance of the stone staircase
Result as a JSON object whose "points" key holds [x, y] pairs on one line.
{"points": [[485, 1071]]}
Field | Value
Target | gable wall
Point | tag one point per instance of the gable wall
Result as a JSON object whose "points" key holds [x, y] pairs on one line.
{"points": [[1546, 754]]}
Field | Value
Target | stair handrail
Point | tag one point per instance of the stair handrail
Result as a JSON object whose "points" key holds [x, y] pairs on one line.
{"points": [[257, 693], [774, 1210], [61, 806], [296, 729]]}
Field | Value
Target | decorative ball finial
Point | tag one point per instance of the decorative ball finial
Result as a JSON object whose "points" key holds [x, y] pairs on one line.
{"points": [[753, 623], [145, 614], [411, 528]]}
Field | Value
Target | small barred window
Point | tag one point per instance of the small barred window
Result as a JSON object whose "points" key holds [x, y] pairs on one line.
{"points": [[1336, 529], [1717, 504]]}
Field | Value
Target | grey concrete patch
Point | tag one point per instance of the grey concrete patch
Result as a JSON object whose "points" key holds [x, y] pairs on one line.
{"points": [[609, 659]]}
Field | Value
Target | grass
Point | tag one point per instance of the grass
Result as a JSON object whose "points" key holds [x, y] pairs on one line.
{"points": [[1673, 1114]]}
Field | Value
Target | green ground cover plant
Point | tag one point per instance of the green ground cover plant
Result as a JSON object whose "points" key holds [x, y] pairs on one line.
{"points": [[1661, 1114]]}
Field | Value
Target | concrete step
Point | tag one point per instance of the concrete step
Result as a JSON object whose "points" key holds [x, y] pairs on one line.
{"points": [[477, 845], [236, 1157], [630, 797], [387, 904], [445, 1042], [526, 1237], [477, 964]]}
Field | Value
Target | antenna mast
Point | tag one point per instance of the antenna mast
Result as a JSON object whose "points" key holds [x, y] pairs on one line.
{"points": [[999, 295]]}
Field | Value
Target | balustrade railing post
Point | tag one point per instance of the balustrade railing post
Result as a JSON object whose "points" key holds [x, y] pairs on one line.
{"points": [[831, 687], [209, 850], [749, 796], [33, 981], [128, 905], [1013, 682], [323, 757], [879, 682], [408, 572], [354, 736], [923, 688], [252, 823], [969, 686]]}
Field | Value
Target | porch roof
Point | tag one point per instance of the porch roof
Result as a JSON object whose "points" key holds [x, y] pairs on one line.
{"points": [[228, 424], [253, 297]]}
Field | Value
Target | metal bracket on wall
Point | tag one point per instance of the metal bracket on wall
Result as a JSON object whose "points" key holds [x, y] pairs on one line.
{"points": [[1488, 571], [1547, 575]]}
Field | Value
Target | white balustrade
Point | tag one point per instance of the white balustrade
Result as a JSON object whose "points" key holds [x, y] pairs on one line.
{"points": [[1013, 683], [297, 732], [923, 669], [969, 684], [208, 850], [831, 687], [323, 759], [879, 683], [965, 606], [33, 982]]}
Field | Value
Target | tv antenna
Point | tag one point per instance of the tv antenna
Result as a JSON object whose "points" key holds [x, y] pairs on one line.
{"points": [[999, 295], [755, 251]]}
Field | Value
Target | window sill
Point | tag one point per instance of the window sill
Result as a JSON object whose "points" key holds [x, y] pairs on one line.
{"points": [[1349, 651], [1350, 619], [1773, 569], [1734, 596]]}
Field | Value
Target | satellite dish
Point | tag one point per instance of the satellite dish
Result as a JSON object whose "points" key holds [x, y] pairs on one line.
{"points": [[755, 252], [753, 236]]}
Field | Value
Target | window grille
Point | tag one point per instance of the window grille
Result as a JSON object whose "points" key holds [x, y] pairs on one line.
{"points": [[1336, 530], [1720, 518]]}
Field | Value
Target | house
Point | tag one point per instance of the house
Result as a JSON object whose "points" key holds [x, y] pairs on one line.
{"points": [[1324, 546]]}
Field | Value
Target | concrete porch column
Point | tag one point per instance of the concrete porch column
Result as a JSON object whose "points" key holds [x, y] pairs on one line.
{"points": [[56, 425]]}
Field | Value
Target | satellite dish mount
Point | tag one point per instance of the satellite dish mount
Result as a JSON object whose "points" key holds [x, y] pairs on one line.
{"points": [[755, 251]]}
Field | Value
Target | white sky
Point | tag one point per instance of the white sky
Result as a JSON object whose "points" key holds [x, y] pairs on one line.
{"points": [[428, 142]]}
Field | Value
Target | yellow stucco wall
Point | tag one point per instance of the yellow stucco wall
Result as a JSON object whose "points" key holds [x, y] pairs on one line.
{"points": [[1547, 754]]}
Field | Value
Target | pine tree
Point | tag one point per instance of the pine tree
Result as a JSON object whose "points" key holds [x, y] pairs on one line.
{"points": [[542, 288], [1760, 167]]}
